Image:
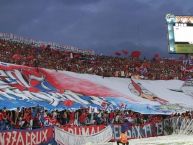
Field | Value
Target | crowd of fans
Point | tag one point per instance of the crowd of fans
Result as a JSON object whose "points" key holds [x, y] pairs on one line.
{"points": [[38, 117], [106, 66], [44, 56]]}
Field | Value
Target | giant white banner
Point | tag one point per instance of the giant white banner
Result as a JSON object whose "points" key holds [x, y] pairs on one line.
{"points": [[65, 138]]}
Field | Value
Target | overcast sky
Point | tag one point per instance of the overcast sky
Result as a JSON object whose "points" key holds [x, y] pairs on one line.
{"points": [[101, 25]]}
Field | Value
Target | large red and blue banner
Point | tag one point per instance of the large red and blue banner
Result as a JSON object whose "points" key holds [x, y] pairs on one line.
{"points": [[27, 137], [22, 86], [28, 86]]}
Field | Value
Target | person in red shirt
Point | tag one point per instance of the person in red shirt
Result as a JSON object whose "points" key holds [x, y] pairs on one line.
{"points": [[1, 121], [72, 118], [27, 118], [82, 118], [53, 121]]}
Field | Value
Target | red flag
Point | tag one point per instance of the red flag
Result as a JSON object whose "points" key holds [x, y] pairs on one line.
{"points": [[135, 53], [117, 53], [125, 52]]}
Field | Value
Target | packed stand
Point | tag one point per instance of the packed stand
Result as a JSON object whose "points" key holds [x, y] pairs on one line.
{"points": [[106, 66], [38, 117]]}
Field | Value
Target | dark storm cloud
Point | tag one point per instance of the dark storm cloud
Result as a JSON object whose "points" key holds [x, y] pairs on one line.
{"points": [[103, 25], [78, 2]]}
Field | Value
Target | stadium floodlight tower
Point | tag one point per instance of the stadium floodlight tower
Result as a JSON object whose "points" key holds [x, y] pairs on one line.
{"points": [[180, 34]]}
